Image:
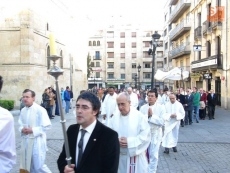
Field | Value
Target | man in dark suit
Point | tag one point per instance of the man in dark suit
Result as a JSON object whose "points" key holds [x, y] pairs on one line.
{"points": [[181, 98], [94, 148], [188, 107], [211, 98]]}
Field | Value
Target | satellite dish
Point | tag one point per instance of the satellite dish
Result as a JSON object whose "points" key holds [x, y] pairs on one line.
{"points": [[197, 48]]}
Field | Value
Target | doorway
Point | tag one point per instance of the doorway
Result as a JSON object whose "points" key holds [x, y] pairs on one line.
{"points": [[218, 90]]}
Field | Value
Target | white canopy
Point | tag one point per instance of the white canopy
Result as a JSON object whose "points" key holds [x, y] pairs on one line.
{"points": [[174, 74]]}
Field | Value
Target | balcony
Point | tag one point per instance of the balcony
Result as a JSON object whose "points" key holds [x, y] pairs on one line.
{"points": [[97, 57], [180, 29], [179, 9], [180, 51], [217, 25], [145, 70], [207, 28], [173, 2], [212, 62], [197, 33]]}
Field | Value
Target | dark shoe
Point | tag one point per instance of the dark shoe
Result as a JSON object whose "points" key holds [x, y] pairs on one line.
{"points": [[182, 125], [174, 149], [197, 121], [51, 117], [213, 118], [186, 124], [166, 151], [190, 123], [210, 118]]}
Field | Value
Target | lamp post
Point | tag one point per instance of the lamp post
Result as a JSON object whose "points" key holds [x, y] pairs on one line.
{"points": [[153, 43], [135, 79], [139, 70]]}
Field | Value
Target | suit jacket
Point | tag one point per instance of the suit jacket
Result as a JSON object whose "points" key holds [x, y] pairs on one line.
{"points": [[211, 100], [189, 102], [101, 154], [203, 98]]}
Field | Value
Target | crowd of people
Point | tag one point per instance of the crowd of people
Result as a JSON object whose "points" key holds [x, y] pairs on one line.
{"points": [[116, 131]]}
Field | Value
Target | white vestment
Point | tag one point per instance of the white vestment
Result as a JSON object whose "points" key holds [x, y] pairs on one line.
{"points": [[109, 106], [7, 141], [164, 99], [172, 125], [137, 131], [134, 100], [33, 146], [156, 121]]}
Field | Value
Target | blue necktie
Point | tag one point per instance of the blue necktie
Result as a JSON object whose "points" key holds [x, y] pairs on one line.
{"points": [[80, 146]]}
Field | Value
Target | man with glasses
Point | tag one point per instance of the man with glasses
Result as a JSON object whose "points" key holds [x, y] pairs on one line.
{"points": [[188, 106], [93, 146], [174, 114]]}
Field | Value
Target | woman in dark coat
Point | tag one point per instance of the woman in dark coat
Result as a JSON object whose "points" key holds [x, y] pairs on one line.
{"points": [[46, 102]]}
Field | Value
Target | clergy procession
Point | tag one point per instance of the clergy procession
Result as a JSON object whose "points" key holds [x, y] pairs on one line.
{"points": [[116, 131]]}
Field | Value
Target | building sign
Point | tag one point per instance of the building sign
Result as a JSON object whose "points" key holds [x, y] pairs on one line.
{"points": [[216, 14], [205, 63], [207, 76]]}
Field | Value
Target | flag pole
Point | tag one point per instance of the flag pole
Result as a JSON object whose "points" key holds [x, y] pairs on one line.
{"points": [[56, 71]]}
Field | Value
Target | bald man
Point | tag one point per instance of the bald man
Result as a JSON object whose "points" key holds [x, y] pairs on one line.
{"points": [[134, 136]]}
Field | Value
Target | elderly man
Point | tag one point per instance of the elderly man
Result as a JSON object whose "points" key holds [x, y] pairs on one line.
{"points": [[174, 113], [154, 112], [134, 136], [34, 122], [109, 105], [133, 97], [7, 139]]}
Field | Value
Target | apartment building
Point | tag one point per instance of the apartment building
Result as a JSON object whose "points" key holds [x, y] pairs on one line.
{"points": [[119, 57], [197, 40]]}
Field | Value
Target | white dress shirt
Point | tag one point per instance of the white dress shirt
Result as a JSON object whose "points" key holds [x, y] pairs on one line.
{"points": [[89, 131]]}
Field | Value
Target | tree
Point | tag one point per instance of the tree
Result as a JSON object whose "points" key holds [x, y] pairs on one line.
{"points": [[89, 68]]}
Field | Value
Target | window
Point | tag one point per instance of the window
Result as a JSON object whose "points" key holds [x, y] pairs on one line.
{"points": [[110, 65], [134, 55], [110, 75], [97, 64], [122, 76], [94, 43], [122, 45], [134, 45], [110, 54], [97, 55], [159, 53], [98, 43], [134, 65], [160, 64], [122, 35], [123, 65], [122, 55], [110, 44], [90, 43], [166, 46], [133, 34], [147, 65], [110, 34], [208, 49], [48, 60], [146, 43], [97, 74], [146, 55], [165, 60], [147, 75], [160, 44], [92, 64]]}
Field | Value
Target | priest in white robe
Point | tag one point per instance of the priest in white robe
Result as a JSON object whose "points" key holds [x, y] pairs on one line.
{"points": [[133, 97], [174, 113], [109, 106], [134, 136], [7, 139], [33, 121], [154, 112]]}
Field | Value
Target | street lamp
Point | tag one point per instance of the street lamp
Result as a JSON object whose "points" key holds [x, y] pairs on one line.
{"points": [[153, 42], [135, 79], [139, 70]]}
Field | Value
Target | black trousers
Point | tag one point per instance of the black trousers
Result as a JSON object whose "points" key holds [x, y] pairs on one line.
{"points": [[202, 113], [188, 117], [211, 111]]}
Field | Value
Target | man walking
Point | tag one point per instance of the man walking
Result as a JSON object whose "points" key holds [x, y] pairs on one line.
{"points": [[94, 148], [154, 112], [134, 136], [133, 97], [211, 98], [188, 107], [34, 122], [196, 103], [174, 113]]}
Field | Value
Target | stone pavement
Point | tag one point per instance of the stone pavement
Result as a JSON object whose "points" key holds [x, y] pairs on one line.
{"points": [[203, 147]]}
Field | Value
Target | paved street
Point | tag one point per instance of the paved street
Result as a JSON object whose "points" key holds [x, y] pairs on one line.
{"points": [[203, 147]]}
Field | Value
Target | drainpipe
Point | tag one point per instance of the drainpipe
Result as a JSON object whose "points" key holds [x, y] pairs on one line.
{"points": [[226, 58]]}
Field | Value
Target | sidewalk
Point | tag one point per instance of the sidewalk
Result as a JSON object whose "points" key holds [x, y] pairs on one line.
{"points": [[203, 147]]}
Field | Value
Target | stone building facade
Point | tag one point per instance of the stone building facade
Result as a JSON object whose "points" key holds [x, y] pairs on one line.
{"points": [[24, 47]]}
